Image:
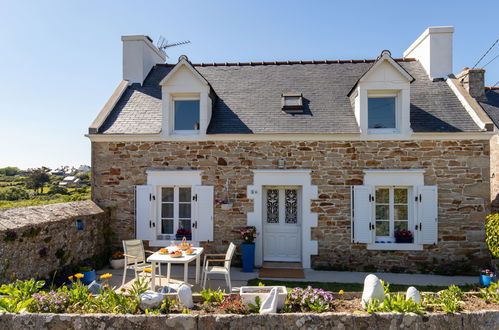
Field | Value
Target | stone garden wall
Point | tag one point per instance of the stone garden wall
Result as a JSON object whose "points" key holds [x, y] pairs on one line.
{"points": [[494, 172], [474, 320], [35, 241], [460, 168]]}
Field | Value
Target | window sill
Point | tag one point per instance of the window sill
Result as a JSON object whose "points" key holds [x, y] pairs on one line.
{"points": [[191, 132], [395, 246], [383, 131]]}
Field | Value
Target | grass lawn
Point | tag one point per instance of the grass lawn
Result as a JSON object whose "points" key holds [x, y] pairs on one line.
{"points": [[352, 287]]}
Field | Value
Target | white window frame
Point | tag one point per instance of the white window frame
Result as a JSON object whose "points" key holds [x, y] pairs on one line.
{"points": [[185, 97], [410, 211], [176, 211], [385, 94], [396, 178]]}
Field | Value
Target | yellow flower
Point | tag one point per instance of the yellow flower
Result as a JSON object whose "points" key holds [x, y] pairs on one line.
{"points": [[147, 270], [70, 277], [79, 275], [106, 276], [341, 292]]}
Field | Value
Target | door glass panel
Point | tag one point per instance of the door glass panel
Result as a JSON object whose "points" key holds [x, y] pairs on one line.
{"points": [[167, 195], [382, 228], [184, 195], [291, 204], [273, 206], [167, 226], [185, 224]]}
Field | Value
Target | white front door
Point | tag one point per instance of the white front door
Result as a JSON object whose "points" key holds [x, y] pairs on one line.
{"points": [[282, 224]]}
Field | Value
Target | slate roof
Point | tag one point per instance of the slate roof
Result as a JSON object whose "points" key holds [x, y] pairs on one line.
{"points": [[491, 105], [249, 99]]}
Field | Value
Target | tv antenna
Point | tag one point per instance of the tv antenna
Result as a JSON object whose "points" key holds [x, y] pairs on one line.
{"points": [[162, 44]]}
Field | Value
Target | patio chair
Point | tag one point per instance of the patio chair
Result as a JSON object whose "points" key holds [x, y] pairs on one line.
{"points": [[135, 258], [208, 268]]}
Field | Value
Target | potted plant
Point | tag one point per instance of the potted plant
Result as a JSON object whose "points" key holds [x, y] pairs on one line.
{"points": [[117, 260], [403, 236], [89, 274], [487, 276], [248, 235], [181, 233]]}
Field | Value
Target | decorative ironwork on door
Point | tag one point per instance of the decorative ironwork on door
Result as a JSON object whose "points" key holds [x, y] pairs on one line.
{"points": [[291, 205], [273, 206]]}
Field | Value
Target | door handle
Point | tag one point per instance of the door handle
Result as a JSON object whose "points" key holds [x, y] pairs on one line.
{"points": [[195, 224]]}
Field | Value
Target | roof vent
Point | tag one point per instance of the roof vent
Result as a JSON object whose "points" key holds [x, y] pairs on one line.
{"points": [[292, 102]]}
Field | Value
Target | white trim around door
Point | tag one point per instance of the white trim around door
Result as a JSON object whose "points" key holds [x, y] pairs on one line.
{"points": [[295, 178]]}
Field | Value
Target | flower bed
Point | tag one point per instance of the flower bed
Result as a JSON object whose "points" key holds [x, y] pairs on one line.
{"points": [[30, 296]]}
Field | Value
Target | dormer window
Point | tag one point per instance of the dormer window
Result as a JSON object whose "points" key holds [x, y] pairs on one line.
{"points": [[381, 112], [292, 103], [186, 115]]}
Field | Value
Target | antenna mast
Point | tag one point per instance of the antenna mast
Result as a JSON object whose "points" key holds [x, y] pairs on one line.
{"points": [[162, 44]]}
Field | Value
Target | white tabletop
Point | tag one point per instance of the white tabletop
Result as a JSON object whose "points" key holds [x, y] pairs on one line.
{"points": [[165, 258]]}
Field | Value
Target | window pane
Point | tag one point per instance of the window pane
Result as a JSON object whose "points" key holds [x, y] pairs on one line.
{"points": [[381, 112], [382, 195], [184, 194], [382, 228], [166, 226], [167, 210], [292, 100], [401, 225], [400, 196], [187, 115], [184, 210], [185, 224], [167, 194], [382, 212], [400, 212]]}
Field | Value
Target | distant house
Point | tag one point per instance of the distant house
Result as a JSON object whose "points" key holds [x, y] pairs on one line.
{"points": [[70, 181], [329, 160], [83, 169]]}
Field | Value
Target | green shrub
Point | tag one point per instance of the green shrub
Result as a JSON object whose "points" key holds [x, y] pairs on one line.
{"points": [[13, 194], [56, 189], [492, 234]]}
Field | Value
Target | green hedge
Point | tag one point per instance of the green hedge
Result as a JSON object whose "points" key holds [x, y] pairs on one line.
{"points": [[492, 234]]}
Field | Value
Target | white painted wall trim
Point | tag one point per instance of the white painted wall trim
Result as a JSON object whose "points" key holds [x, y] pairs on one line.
{"points": [[289, 137], [459, 90], [300, 178], [395, 177]]}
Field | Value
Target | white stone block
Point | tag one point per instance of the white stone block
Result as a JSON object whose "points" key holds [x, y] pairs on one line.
{"points": [[185, 296], [150, 300], [413, 293], [373, 289]]}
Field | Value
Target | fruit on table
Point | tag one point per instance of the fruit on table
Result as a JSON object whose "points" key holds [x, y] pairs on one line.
{"points": [[176, 253], [189, 251], [163, 250]]}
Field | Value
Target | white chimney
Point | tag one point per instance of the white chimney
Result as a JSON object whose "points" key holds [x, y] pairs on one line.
{"points": [[433, 49], [139, 56]]}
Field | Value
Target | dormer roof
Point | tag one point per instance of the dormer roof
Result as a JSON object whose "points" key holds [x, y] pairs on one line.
{"points": [[183, 61]]}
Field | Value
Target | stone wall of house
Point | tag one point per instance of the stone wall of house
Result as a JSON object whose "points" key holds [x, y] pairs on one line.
{"points": [[35, 241], [461, 169], [494, 172]]}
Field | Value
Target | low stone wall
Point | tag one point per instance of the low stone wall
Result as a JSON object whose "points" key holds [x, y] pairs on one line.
{"points": [[35, 241], [475, 320]]}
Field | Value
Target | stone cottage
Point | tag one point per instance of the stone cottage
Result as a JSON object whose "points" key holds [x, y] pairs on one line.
{"points": [[330, 160]]}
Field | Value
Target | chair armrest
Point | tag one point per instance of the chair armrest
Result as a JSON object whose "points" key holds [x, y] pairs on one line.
{"points": [[214, 254], [149, 251], [129, 256], [217, 260]]}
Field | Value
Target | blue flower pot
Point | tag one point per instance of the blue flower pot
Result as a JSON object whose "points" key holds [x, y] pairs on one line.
{"points": [[485, 280], [248, 250], [88, 277]]}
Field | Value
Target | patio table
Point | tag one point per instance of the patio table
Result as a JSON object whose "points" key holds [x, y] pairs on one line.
{"points": [[184, 259]]}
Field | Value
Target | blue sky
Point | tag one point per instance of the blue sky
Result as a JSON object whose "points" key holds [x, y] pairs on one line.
{"points": [[61, 60]]}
